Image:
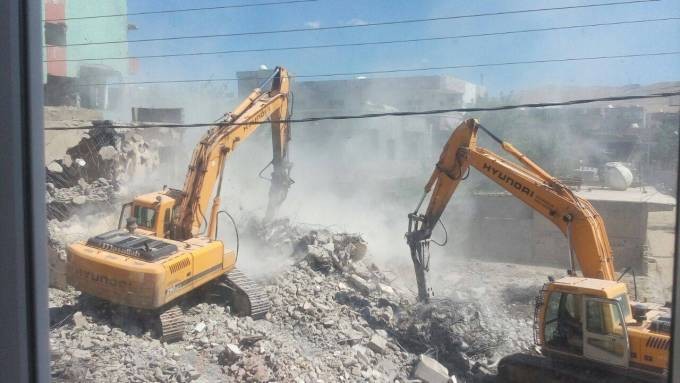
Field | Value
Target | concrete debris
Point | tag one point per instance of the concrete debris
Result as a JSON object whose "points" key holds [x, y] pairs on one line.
{"points": [[360, 283], [231, 354], [378, 344], [95, 168], [327, 251], [322, 326], [108, 153], [200, 327], [54, 167], [430, 371], [97, 194]]}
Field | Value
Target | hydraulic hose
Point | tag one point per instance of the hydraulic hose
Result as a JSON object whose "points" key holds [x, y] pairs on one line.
{"points": [[233, 221]]}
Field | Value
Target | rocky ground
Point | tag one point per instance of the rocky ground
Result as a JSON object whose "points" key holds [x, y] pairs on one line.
{"points": [[334, 317]]}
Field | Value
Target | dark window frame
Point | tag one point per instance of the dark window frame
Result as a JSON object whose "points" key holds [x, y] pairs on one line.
{"points": [[24, 349]]}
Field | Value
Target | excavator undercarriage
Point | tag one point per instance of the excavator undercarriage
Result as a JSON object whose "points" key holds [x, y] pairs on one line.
{"points": [[244, 296], [518, 368]]}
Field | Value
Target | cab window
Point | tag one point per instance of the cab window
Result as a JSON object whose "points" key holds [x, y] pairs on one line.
{"points": [[603, 318], [563, 328], [146, 216], [167, 220], [624, 304]]}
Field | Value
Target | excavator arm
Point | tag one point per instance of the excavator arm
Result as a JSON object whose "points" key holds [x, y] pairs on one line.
{"points": [[575, 217], [208, 159]]}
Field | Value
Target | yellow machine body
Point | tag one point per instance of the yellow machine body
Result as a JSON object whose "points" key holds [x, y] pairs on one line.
{"points": [[608, 332], [169, 245], [112, 273]]}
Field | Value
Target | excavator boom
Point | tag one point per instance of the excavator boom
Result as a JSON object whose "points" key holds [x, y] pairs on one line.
{"points": [[208, 160], [574, 216]]}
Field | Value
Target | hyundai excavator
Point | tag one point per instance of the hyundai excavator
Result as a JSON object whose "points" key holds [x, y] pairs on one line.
{"points": [[169, 247], [586, 327]]}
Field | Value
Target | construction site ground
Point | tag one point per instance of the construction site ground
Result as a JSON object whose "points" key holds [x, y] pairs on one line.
{"points": [[343, 304], [330, 320]]}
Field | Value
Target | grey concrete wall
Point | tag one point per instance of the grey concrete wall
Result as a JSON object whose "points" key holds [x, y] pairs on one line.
{"points": [[506, 230]]}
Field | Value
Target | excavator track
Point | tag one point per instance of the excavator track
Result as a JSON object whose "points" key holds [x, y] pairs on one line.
{"points": [[248, 298], [171, 323], [518, 368]]}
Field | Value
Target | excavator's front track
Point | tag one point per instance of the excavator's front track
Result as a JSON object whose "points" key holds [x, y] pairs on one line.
{"points": [[171, 322], [247, 297]]}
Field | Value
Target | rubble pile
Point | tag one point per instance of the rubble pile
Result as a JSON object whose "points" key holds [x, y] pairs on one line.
{"points": [[457, 334], [92, 170], [328, 251], [278, 234], [60, 201], [334, 317]]}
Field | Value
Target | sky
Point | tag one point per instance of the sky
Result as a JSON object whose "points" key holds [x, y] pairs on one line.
{"points": [[663, 36]]}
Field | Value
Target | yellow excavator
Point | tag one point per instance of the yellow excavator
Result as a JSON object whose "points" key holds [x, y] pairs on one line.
{"points": [[169, 246], [586, 327]]}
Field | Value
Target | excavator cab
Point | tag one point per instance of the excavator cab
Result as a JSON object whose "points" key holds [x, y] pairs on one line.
{"points": [[150, 214], [585, 317]]}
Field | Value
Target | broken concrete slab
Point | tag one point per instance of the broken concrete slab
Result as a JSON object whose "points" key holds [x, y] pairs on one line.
{"points": [[79, 320], [386, 289], [79, 199], [430, 371], [360, 284], [231, 354], [200, 327], [54, 167], [357, 250], [378, 344], [108, 152]]}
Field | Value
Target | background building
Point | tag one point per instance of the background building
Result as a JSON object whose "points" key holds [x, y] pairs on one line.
{"points": [[382, 149], [65, 80]]}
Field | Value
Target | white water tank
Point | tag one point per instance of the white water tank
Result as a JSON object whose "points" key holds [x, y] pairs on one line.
{"points": [[617, 176]]}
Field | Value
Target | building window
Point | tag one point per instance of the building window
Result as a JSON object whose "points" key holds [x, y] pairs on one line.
{"points": [[55, 33]]}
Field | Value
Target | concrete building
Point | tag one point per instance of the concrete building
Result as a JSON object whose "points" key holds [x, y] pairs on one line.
{"points": [[64, 80], [380, 148], [506, 230]]}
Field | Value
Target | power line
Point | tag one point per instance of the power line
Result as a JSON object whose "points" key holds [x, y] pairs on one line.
{"points": [[371, 43], [400, 70], [365, 25], [390, 114], [184, 10]]}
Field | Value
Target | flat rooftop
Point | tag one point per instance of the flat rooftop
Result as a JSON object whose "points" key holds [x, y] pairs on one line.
{"points": [[647, 194], [656, 200]]}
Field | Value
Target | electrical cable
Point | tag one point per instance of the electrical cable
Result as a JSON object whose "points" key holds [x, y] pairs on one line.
{"points": [[360, 44], [365, 25], [232, 6], [400, 70], [387, 114]]}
